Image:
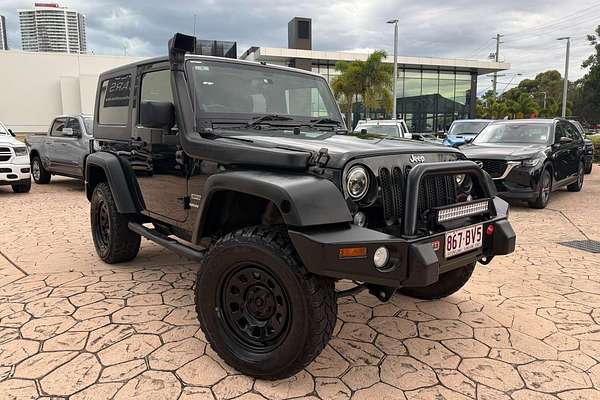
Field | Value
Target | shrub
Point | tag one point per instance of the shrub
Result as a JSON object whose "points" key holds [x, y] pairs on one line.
{"points": [[596, 142]]}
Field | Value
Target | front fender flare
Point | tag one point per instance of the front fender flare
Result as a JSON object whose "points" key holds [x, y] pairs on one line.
{"points": [[303, 200]]}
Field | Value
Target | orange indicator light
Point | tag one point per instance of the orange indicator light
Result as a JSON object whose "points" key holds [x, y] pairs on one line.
{"points": [[353, 252]]}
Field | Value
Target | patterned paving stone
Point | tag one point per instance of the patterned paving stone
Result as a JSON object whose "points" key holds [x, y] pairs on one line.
{"points": [[203, 371], [151, 385], [328, 364], [123, 371], [394, 327], [406, 373], [17, 350], [40, 364], [432, 353], [332, 388], [18, 389], [50, 307], [552, 376], [135, 346], [445, 329], [232, 386], [496, 374], [298, 385], [73, 376], [47, 327], [173, 355], [361, 377], [379, 391]]}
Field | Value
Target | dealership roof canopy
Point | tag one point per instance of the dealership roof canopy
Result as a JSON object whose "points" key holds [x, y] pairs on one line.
{"points": [[283, 55]]}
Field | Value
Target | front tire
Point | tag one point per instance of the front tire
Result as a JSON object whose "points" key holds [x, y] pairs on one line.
{"points": [[259, 308], [40, 174], [447, 284], [544, 190], [113, 240], [577, 185], [23, 186]]}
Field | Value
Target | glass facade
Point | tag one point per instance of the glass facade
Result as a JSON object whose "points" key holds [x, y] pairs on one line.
{"points": [[428, 100]]}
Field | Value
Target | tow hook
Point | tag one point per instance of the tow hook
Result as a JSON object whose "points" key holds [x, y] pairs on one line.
{"points": [[383, 293], [486, 260]]}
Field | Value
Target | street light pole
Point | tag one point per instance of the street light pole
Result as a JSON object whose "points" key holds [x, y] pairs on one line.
{"points": [[566, 82], [395, 22]]}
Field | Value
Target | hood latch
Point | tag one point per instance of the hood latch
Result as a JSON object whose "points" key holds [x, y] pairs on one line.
{"points": [[321, 158]]}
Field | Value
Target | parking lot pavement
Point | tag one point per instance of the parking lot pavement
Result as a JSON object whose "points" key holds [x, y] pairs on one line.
{"points": [[525, 327]]}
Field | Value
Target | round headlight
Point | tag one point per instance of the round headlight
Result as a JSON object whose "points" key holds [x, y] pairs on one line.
{"points": [[459, 178], [357, 182]]}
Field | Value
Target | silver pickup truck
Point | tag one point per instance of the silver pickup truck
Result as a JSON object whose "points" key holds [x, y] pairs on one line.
{"points": [[62, 151]]}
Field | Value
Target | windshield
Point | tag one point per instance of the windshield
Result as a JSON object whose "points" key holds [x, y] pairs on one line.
{"points": [[89, 125], [383, 130], [3, 129], [468, 127], [252, 91], [530, 133]]}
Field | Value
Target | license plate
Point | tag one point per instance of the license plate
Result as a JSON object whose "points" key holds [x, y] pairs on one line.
{"points": [[462, 240]]}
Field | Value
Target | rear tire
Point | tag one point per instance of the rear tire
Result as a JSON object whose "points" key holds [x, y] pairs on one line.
{"points": [[577, 185], [40, 174], [260, 310], [544, 190], [113, 240], [23, 186], [448, 283], [588, 168]]}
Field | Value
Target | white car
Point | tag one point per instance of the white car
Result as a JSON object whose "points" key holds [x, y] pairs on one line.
{"points": [[385, 127], [14, 162]]}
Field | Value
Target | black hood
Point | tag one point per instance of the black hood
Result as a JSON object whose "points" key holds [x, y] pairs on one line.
{"points": [[340, 148], [502, 151]]}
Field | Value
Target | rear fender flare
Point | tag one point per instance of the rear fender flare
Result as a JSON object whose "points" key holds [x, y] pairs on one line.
{"points": [[115, 175]]}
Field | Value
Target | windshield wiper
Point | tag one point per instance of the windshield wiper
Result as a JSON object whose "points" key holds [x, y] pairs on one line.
{"points": [[268, 117], [326, 120]]}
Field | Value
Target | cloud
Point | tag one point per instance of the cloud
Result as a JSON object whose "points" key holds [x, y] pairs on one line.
{"points": [[435, 28]]}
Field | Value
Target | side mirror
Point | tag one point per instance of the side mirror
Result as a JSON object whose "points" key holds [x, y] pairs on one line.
{"points": [[67, 132], [565, 140], [11, 132], [157, 114], [469, 140]]}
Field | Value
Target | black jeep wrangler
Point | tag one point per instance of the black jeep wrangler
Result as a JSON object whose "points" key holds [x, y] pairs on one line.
{"points": [[248, 169]]}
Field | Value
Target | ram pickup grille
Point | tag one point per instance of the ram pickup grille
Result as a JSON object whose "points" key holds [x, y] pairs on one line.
{"points": [[4, 150], [435, 191], [493, 167], [4, 157]]}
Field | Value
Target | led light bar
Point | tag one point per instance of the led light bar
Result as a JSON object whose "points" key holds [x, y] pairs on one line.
{"points": [[463, 210]]}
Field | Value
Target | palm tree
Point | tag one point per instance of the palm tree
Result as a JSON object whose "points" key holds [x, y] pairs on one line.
{"points": [[371, 80], [523, 107], [346, 87], [376, 82]]}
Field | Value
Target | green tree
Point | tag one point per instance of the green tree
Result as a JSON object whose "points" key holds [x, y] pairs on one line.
{"points": [[376, 83], [523, 106], [368, 81], [586, 104]]}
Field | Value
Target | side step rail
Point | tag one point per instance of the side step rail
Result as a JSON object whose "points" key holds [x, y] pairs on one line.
{"points": [[167, 242]]}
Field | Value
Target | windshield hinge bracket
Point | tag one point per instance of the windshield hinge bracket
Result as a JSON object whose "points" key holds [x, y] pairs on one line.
{"points": [[321, 158]]}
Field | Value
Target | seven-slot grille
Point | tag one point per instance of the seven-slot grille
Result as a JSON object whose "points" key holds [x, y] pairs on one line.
{"points": [[435, 191], [5, 154], [493, 167]]}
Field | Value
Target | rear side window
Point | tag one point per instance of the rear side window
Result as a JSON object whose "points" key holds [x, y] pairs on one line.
{"points": [[114, 100]]}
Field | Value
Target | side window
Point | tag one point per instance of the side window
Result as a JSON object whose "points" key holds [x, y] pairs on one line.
{"points": [[572, 132], [73, 123], [114, 100], [57, 127], [559, 132], [156, 86]]}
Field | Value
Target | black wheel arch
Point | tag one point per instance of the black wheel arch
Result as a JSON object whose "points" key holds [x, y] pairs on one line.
{"points": [[107, 167], [298, 199]]}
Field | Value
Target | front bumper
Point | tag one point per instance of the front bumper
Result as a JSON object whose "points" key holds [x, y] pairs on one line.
{"points": [[520, 183], [11, 173], [414, 260]]}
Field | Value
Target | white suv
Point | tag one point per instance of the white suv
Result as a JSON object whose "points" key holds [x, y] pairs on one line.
{"points": [[14, 162]]}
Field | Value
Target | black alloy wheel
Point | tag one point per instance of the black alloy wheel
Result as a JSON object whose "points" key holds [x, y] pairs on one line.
{"points": [[544, 191], [577, 185]]}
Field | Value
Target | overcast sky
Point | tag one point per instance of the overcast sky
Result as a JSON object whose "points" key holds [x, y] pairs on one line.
{"points": [[456, 29]]}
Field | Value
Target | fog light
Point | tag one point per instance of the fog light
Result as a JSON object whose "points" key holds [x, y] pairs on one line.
{"points": [[381, 257], [489, 230]]}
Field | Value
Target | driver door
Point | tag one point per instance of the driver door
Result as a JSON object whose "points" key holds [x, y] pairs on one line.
{"points": [[157, 158]]}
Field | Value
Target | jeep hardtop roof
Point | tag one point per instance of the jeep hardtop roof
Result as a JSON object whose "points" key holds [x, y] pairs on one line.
{"points": [[155, 60]]}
